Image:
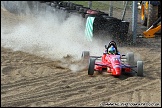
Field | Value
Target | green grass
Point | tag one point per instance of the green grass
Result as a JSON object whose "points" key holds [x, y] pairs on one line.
{"points": [[103, 5], [95, 5]]}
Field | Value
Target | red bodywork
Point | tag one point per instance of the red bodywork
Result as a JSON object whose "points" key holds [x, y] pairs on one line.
{"points": [[112, 63]]}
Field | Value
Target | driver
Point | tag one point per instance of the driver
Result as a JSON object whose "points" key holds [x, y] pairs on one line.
{"points": [[111, 50]]}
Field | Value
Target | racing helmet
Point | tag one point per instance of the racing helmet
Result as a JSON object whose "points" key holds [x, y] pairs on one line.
{"points": [[111, 50]]}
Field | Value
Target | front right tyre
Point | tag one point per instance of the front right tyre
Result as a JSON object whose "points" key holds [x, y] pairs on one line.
{"points": [[139, 68]]}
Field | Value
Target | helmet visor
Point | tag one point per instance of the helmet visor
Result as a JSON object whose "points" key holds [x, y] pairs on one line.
{"points": [[112, 51]]}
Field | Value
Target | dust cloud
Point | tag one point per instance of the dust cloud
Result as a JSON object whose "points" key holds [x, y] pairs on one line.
{"points": [[49, 34]]}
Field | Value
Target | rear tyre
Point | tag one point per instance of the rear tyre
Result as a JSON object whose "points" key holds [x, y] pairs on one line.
{"points": [[78, 7], [91, 66], [152, 16], [85, 55], [139, 68], [130, 58], [85, 58]]}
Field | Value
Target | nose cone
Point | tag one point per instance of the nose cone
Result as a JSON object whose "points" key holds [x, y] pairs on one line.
{"points": [[116, 71]]}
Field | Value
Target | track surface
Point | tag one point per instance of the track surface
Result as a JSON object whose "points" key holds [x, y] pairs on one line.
{"points": [[28, 80]]}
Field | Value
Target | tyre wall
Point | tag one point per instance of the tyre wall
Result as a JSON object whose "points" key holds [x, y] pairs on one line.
{"points": [[103, 24]]}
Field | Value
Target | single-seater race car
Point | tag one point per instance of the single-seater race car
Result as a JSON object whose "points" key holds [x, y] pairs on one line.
{"points": [[113, 62]]}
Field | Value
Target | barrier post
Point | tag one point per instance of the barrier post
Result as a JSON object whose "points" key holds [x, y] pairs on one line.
{"points": [[134, 20]]}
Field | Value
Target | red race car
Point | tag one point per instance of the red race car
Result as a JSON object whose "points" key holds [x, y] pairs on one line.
{"points": [[113, 62]]}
